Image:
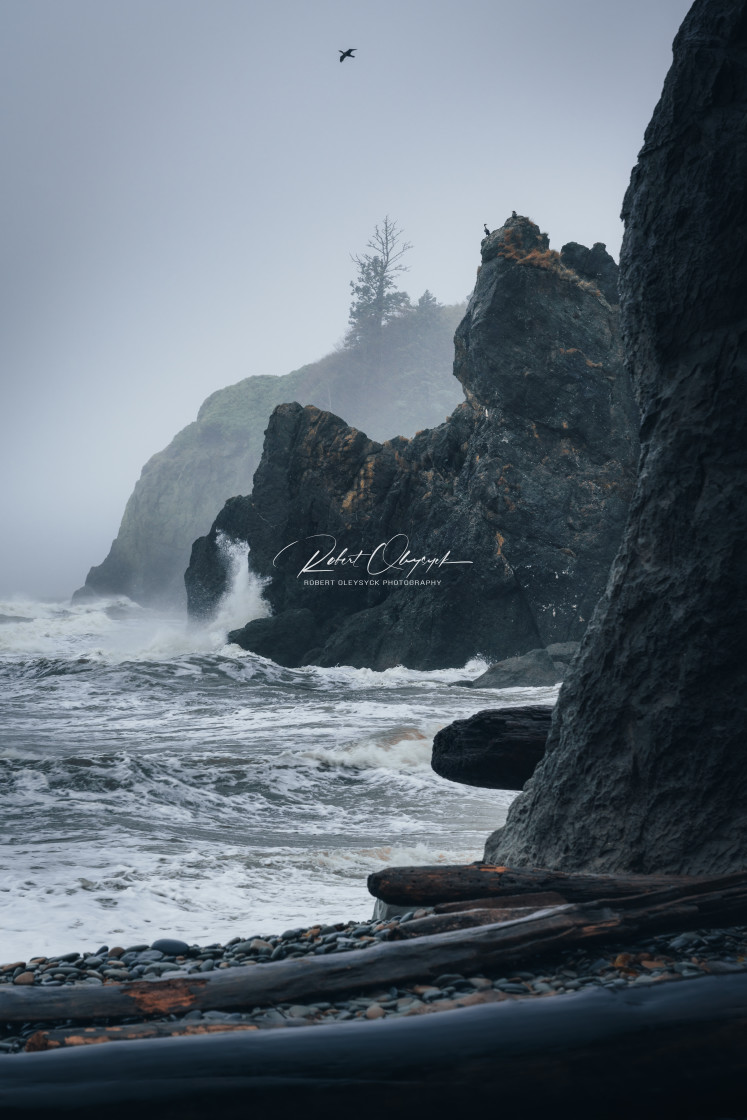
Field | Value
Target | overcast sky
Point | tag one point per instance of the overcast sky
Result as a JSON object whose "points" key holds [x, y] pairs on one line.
{"points": [[184, 182]]}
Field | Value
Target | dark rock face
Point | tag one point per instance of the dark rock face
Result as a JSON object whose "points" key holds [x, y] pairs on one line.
{"points": [[496, 749], [279, 638], [527, 482], [593, 264], [645, 769]]}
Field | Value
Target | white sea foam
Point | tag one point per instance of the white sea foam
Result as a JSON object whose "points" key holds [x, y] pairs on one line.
{"points": [[157, 780]]}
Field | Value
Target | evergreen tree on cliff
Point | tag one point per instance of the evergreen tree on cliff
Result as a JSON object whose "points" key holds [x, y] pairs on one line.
{"points": [[377, 300]]}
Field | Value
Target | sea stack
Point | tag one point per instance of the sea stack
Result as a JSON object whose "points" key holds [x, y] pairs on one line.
{"points": [[524, 488], [645, 769]]}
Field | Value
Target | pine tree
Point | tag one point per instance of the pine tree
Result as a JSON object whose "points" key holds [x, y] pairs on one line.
{"points": [[376, 298]]}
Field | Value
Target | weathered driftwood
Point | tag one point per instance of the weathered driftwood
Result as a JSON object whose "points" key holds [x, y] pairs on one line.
{"points": [[671, 1049], [426, 886], [701, 903], [54, 1038], [128, 1032], [497, 749], [461, 919], [536, 901]]}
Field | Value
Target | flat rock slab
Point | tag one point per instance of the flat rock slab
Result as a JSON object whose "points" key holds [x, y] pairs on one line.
{"points": [[497, 748]]}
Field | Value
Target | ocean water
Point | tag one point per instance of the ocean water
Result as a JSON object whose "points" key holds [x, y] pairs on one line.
{"points": [[157, 781]]}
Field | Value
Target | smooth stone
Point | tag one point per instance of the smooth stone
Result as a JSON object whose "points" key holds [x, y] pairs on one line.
{"points": [[171, 946], [24, 978], [208, 965], [448, 978], [149, 955], [300, 1011]]}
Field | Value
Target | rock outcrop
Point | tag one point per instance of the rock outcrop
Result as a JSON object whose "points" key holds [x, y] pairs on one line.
{"points": [[495, 749], [514, 507], [645, 769], [535, 669], [181, 487]]}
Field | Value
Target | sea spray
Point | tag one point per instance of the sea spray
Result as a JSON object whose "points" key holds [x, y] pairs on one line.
{"points": [[242, 601]]}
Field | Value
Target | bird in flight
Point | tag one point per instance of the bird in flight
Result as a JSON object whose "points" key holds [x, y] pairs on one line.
{"points": [[347, 54]]}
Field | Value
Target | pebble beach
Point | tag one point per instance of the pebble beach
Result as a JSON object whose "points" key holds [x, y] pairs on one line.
{"points": [[663, 959]]}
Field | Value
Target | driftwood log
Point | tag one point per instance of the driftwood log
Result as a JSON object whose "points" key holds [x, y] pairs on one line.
{"points": [[129, 1032], [671, 1049], [496, 749], [692, 905], [533, 901], [426, 886]]}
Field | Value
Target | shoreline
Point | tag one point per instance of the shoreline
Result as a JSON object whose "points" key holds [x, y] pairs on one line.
{"points": [[619, 965]]}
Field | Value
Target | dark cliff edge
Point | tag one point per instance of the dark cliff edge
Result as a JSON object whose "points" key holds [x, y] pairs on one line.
{"points": [[645, 767], [523, 491]]}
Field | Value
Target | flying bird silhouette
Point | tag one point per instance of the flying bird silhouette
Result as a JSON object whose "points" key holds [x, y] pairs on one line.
{"points": [[347, 53]]}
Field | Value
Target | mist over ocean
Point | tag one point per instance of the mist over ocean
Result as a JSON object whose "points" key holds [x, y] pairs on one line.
{"points": [[158, 781]]}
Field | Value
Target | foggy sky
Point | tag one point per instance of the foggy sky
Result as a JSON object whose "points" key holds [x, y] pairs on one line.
{"points": [[185, 180]]}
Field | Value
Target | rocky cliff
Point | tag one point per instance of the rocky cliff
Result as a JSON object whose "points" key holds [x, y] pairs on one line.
{"points": [[512, 509], [181, 487], [645, 768]]}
